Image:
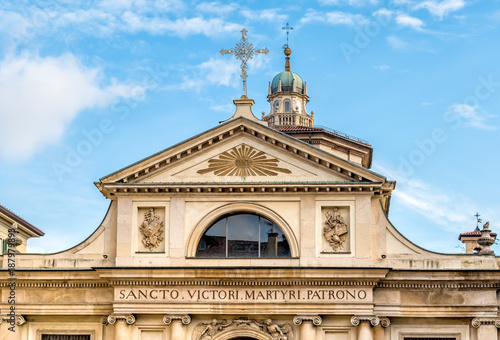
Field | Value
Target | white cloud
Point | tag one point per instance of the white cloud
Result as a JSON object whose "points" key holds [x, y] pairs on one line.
{"points": [[448, 209], [106, 18], [180, 27], [357, 3], [40, 96], [215, 72], [471, 117], [271, 15], [382, 67], [217, 8], [442, 8], [334, 18], [142, 6], [397, 43], [408, 21], [383, 13]]}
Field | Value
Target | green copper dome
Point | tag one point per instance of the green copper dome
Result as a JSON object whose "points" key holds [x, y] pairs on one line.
{"points": [[287, 78]]}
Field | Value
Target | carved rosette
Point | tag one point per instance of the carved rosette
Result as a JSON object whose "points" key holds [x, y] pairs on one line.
{"points": [[373, 319], [335, 230], [185, 319], [315, 319], [129, 319], [151, 230]]}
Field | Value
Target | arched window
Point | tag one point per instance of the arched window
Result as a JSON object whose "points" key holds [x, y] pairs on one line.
{"points": [[243, 235], [287, 106], [276, 106]]}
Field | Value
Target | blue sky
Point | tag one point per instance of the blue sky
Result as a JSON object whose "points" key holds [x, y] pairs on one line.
{"points": [[86, 89]]}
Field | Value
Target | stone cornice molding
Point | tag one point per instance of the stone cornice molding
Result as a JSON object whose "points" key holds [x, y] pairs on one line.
{"points": [[242, 283], [478, 322], [19, 319], [357, 319], [438, 285], [53, 284], [185, 319], [129, 319], [315, 319], [133, 189]]}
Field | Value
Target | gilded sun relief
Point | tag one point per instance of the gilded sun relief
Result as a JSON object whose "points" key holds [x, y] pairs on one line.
{"points": [[244, 160]]}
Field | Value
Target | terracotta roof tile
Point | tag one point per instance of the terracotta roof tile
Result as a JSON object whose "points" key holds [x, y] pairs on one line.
{"points": [[20, 220], [292, 129], [474, 233]]}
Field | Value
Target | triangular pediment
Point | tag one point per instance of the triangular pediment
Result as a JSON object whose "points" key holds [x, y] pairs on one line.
{"points": [[242, 151], [243, 159]]}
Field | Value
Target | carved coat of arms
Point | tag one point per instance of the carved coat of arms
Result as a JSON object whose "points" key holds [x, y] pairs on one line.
{"points": [[335, 230], [151, 230]]}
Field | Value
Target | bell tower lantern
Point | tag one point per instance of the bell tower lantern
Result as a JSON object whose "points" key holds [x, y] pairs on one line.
{"points": [[288, 97]]}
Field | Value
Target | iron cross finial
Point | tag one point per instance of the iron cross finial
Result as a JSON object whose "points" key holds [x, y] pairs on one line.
{"points": [[244, 34], [287, 28], [244, 51], [478, 220]]}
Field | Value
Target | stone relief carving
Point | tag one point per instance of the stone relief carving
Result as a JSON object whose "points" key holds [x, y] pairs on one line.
{"points": [[208, 330], [151, 230], [244, 160], [283, 332], [335, 230]]}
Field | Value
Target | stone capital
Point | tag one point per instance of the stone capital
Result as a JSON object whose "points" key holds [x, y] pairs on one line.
{"points": [[19, 319], [185, 319], [129, 319], [384, 322], [373, 319], [478, 322], [315, 319]]}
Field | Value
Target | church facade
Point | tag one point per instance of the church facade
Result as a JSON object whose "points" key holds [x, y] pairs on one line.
{"points": [[258, 229]]}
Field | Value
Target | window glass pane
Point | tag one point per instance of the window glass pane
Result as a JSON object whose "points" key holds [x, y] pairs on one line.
{"points": [[248, 236], [272, 241], [243, 235], [427, 338], [287, 106], [64, 337], [213, 243]]}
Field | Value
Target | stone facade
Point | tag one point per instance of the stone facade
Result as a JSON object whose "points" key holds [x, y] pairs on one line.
{"points": [[244, 232], [349, 274]]}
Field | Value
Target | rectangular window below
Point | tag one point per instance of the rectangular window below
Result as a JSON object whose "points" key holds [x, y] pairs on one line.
{"points": [[65, 337], [427, 338]]}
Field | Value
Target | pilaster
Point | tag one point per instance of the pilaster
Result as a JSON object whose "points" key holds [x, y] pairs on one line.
{"points": [[363, 322], [122, 323], [307, 325], [177, 323], [5, 324], [379, 330], [487, 328]]}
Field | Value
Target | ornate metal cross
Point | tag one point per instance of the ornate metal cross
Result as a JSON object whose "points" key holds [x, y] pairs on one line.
{"points": [[287, 28], [478, 219], [244, 51]]}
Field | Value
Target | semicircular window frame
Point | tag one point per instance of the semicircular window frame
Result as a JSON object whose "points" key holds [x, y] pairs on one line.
{"points": [[241, 235]]}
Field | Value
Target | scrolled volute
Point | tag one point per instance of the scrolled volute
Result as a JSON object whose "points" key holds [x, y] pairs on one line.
{"points": [[315, 319]]}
